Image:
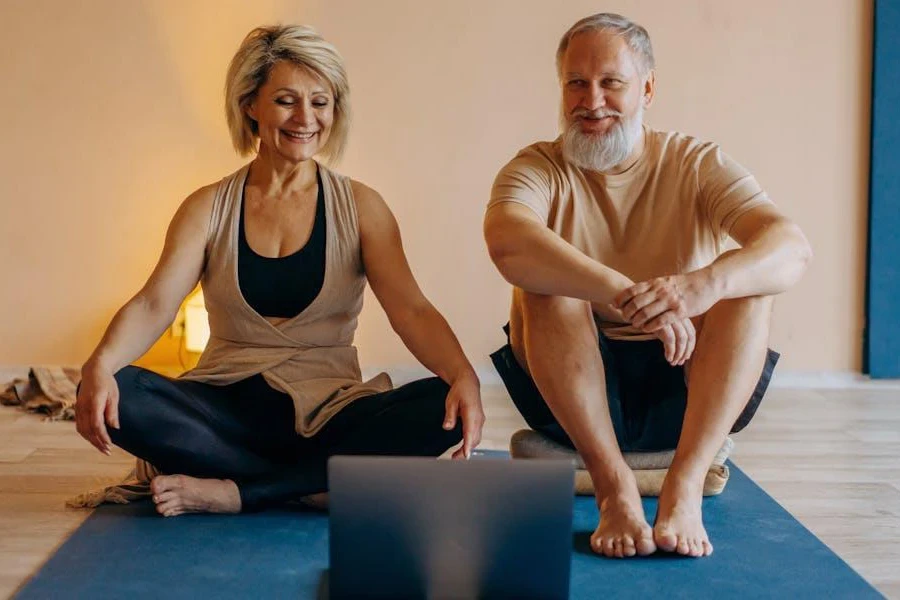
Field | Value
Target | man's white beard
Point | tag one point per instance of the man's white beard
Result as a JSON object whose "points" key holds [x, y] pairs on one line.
{"points": [[601, 152]]}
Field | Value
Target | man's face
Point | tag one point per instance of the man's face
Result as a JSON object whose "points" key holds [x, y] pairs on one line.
{"points": [[604, 95]]}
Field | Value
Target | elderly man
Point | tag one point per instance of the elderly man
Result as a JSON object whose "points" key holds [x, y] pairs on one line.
{"points": [[632, 329]]}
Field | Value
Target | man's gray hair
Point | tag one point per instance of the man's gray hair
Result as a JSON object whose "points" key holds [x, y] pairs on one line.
{"points": [[635, 36]]}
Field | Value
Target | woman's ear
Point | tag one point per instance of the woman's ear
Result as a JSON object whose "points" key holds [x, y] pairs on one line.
{"points": [[250, 110]]}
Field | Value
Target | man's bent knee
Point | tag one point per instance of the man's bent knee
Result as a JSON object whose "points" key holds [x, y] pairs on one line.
{"points": [[747, 307], [563, 307], [550, 320]]}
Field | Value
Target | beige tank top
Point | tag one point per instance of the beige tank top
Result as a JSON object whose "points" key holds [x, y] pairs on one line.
{"points": [[311, 356]]}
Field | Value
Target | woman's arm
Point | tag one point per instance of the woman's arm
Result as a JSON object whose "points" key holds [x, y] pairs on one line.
{"points": [[143, 319], [418, 323]]}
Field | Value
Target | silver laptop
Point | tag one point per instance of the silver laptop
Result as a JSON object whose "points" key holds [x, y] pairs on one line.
{"points": [[425, 528]]}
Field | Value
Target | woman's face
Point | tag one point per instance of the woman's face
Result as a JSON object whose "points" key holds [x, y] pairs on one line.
{"points": [[294, 111]]}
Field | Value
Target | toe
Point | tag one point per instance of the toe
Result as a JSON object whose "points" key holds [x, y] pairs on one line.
{"points": [[696, 548], [665, 539], [645, 546], [165, 483], [157, 484], [707, 548], [608, 549], [164, 497], [628, 548], [597, 543], [172, 504], [682, 547], [618, 552]]}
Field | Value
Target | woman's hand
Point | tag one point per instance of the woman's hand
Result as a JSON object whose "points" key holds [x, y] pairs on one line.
{"points": [[143, 318], [418, 323], [97, 406], [464, 401]]}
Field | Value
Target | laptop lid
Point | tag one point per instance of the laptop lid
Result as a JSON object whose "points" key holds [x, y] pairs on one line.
{"points": [[423, 528]]}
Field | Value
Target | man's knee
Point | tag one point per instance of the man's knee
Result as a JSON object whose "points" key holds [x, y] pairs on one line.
{"points": [[547, 320], [561, 308], [749, 307]]}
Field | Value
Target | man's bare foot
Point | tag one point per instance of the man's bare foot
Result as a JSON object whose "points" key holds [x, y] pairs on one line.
{"points": [[623, 529], [178, 494], [679, 520]]}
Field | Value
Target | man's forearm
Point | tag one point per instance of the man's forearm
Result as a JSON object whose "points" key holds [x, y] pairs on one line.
{"points": [[769, 264], [541, 262]]}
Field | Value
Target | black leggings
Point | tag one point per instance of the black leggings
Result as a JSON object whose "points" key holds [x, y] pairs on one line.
{"points": [[245, 431]]}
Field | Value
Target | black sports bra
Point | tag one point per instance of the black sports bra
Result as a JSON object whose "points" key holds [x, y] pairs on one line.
{"points": [[284, 286]]}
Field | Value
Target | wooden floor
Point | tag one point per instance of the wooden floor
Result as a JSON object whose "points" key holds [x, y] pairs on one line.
{"points": [[831, 457]]}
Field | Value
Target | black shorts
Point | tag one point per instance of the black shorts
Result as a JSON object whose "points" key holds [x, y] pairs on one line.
{"points": [[647, 396]]}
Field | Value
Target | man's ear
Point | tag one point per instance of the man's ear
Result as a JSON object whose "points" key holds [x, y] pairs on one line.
{"points": [[649, 90]]}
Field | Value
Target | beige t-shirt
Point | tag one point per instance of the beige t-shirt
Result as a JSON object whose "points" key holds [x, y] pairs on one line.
{"points": [[670, 212]]}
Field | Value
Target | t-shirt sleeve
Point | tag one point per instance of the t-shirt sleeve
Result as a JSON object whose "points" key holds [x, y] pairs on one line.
{"points": [[524, 180], [727, 190]]}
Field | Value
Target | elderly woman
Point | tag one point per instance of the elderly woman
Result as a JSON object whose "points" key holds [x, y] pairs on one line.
{"points": [[283, 249]]}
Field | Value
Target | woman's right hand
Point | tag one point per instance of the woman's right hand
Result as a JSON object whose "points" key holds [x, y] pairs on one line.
{"points": [[97, 406], [144, 318]]}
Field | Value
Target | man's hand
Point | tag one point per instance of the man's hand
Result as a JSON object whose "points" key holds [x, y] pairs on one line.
{"points": [[657, 303], [679, 341], [464, 401]]}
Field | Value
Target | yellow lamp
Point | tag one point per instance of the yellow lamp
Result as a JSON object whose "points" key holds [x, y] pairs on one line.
{"points": [[196, 323]]}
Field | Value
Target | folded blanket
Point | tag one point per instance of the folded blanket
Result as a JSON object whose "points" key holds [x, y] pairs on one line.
{"points": [[51, 391], [135, 486], [46, 390], [649, 468]]}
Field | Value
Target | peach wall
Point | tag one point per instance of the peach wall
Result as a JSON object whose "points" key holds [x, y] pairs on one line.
{"points": [[113, 114]]}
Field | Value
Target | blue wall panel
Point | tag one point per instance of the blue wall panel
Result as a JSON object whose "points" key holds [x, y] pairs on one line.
{"points": [[882, 345]]}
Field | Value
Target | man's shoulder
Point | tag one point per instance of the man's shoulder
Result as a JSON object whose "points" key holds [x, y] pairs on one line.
{"points": [[542, 155], [676, 147]]}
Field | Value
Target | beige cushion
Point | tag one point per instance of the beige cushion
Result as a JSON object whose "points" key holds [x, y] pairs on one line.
{"points": [[649, 468]]}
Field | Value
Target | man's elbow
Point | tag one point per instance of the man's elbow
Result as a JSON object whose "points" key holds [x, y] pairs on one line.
{"points": [[804, 249], [503, 253]]}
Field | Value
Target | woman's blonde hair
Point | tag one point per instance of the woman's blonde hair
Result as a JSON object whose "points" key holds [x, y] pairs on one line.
{"points": [[249, 69]]}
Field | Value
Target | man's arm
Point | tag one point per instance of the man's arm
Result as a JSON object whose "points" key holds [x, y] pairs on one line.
{"points": [[532, 257], [773, 256]]}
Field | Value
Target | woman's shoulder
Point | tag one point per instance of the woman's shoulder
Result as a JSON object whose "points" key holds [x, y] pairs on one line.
{"points": [[362, 193], [364, 197], [357, 189], [199, 203], [202, 201], [370, 205]]}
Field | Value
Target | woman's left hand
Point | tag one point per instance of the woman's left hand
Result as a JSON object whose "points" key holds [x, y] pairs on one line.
{"points": [[464, 401]]}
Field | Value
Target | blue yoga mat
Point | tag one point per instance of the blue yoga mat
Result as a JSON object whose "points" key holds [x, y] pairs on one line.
{"points": [[128, 551]]}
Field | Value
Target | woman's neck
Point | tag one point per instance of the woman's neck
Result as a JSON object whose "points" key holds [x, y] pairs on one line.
{"points": [[275, 176]]}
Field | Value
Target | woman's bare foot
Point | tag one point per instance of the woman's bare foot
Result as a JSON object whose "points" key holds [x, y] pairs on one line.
{"points": [[179, 494], [316, 501], [623, 529], [679, 520]]}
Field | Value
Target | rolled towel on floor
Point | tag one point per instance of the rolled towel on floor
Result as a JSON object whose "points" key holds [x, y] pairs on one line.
{"points": [[649, 468]]}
